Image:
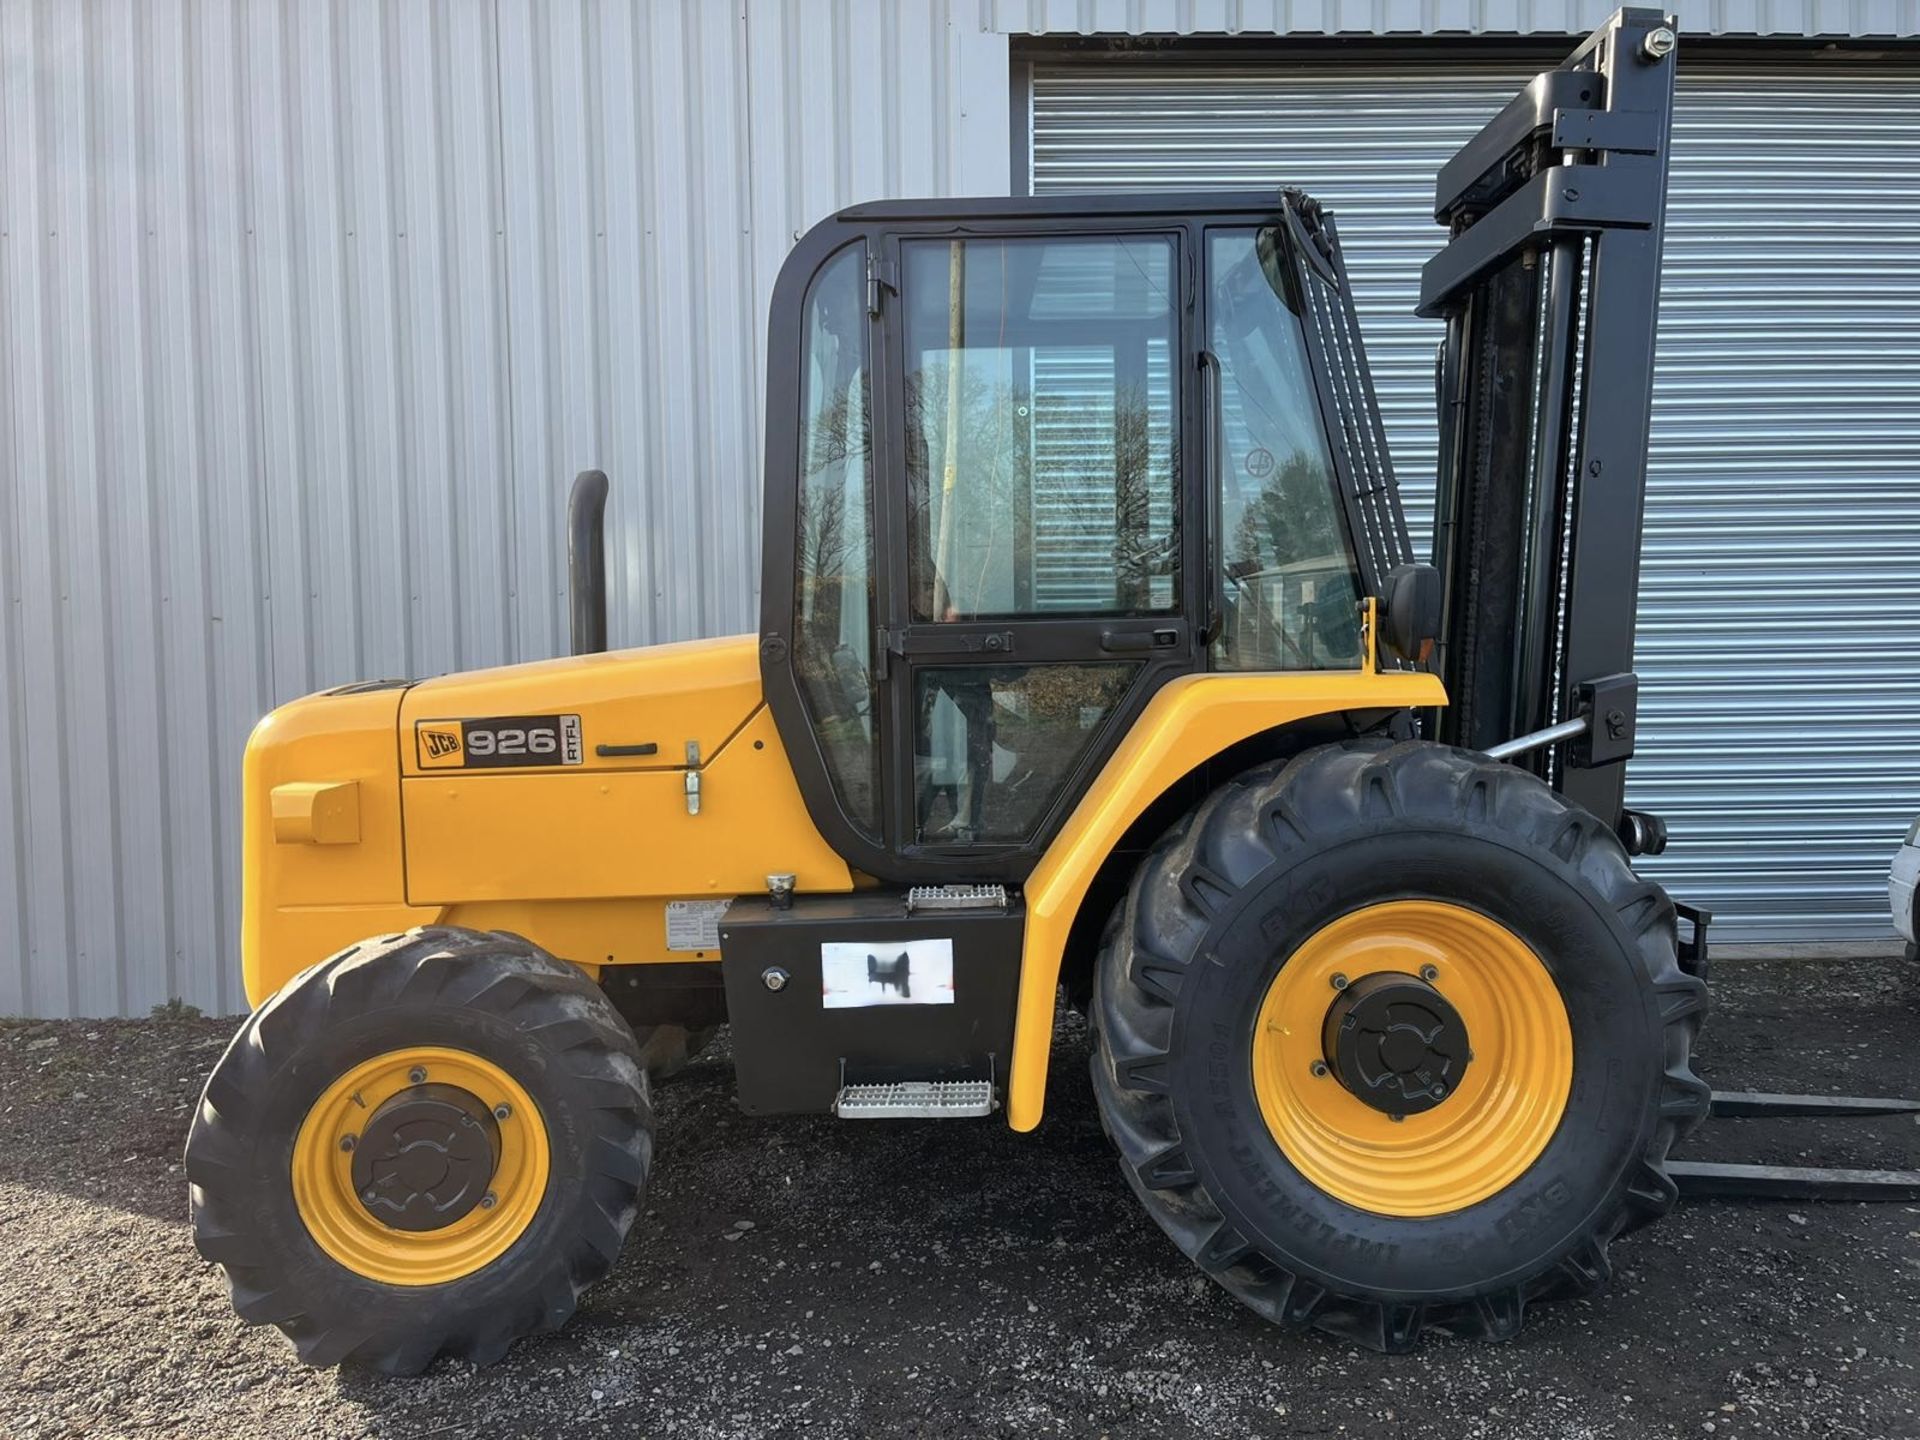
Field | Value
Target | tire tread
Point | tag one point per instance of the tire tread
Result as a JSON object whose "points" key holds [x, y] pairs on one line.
{"points": [[493, 972], [1242, 828]]}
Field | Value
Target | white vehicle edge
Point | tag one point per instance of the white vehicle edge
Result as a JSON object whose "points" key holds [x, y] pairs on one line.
{"points": [[1901, 883]]}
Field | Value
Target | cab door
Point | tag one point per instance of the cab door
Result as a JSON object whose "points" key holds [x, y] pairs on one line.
{"points": [[1041, 550]]}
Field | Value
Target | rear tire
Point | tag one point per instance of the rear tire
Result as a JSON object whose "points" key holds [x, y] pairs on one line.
{"points": [[1237, 890], [465, 1004]]}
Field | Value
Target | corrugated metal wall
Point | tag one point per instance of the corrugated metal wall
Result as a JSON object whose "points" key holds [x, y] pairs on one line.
{"points": [[1779, 610], [309, 312], [1890, 18]]}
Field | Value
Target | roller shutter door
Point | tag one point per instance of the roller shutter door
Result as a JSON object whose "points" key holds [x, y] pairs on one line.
{"points": [[1779, 608]]}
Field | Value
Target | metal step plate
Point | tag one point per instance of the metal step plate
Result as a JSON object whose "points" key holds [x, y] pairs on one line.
{"points": [[956, 897], [915, 1100]]}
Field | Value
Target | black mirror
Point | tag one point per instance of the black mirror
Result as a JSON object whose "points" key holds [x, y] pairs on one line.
{"points": [[1410, 611]]}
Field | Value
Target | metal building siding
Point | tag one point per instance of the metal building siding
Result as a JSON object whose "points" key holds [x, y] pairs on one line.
{"points": [[1779, 612], [309, 312], [1805, 18]]}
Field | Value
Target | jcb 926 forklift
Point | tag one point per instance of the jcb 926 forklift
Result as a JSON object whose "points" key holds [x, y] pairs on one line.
{"points": [[1093, 661]]}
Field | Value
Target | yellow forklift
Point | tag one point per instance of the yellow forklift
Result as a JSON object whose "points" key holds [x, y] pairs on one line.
{"points": [[1094, 667]]}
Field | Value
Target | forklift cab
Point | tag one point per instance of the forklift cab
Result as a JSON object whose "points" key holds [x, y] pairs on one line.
{"points": [[1029, 460]]}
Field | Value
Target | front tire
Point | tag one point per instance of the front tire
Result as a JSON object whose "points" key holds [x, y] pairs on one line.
{"points": [[430, 1143], [1326, 1188]]}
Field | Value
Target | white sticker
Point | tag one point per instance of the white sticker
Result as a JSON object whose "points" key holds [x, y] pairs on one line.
{"points": [[858, 973], [694, 924]]}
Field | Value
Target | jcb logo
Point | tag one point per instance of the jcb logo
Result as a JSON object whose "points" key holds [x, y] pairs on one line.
{"points": [[488, 742], [439, 746]]}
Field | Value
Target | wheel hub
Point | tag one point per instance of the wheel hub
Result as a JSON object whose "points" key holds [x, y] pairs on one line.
{"points": [[426, 1157], [1395, 1043], [1502, 1106]]}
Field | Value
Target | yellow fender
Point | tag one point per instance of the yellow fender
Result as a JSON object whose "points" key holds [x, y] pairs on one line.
{"points": [[1189, 720]]}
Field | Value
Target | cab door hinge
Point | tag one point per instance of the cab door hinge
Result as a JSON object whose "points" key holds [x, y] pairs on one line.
{"points": [[881, 279], [693, 777]]}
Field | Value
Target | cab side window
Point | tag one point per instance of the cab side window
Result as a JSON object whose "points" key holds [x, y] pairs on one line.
{"points": [[1292, 596], [1040, 430], [833, 636]]}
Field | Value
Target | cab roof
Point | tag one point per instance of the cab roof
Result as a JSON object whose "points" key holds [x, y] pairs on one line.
{"points": [[1025, 207]]}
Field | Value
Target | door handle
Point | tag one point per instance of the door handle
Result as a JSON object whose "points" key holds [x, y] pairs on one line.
{"points": [[1134, 641], [945, 640]]}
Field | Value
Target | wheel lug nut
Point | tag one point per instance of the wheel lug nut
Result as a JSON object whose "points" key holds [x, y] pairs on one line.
{"points": [[1319, 1069], [347, 1142], [369, 1196], [1429, 973], [418, 1074], [1339, 982], [487, 1201], [502, 1112]]}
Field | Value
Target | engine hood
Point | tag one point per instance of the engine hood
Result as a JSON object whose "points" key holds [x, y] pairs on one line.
{"points": [[621, 710]]}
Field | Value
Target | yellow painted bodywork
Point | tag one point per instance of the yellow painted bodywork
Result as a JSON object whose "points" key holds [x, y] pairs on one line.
{"points": [[583, 859], [1500, 1115], [1187, 721], [580, 859], [301, 901], [585, 834], [309, 812], [665, 696]]}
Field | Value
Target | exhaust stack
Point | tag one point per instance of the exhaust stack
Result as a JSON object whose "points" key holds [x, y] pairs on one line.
{"points": [[587, 562]]}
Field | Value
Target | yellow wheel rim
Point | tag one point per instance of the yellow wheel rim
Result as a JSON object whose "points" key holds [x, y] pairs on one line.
{"points": [[330, 1204], [1508, 1101]]}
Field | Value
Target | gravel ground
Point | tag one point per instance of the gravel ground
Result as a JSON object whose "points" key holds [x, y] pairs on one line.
{"points": [[958, 1279]]}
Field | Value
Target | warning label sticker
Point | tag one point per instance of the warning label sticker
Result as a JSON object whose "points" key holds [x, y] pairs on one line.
{"points": [[858, 973], [694, 924]]}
